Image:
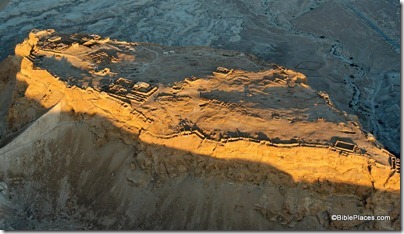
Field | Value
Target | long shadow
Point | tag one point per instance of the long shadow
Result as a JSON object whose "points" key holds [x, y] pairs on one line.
{"points": [[274, 99], [279, 99], [75, 171]]}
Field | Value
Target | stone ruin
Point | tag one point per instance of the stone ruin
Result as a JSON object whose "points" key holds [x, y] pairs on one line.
{"points": [[128, 90], [222, 71], [345, 146], [326, 97], [395, 163]]}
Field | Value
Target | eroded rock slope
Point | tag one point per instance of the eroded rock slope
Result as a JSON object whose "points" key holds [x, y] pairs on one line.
{"points": [[104, 134]]}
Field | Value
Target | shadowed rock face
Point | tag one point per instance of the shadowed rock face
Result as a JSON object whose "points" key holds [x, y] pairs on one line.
{"points": [[229, 150]]}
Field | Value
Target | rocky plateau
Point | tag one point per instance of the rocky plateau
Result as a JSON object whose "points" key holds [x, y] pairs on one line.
{"points": [[199, 115], [101, 134]]}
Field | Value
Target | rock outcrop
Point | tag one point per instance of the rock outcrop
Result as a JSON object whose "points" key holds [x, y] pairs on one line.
{"points": [[102, 134]]}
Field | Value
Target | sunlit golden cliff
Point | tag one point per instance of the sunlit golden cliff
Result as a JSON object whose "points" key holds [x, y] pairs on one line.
{"points": [[103, 134]]}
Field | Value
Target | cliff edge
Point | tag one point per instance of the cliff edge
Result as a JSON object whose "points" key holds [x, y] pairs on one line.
{"points": [[103, 134]]}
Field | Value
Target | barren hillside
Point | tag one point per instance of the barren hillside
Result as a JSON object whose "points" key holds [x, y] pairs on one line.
{"points": [[105, 134]]}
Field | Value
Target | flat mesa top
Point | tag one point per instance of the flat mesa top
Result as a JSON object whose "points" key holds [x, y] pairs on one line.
{"points": [[216, 94]]}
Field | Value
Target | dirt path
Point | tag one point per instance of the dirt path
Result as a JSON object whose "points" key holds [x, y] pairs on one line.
{"points": [[358, 14]]}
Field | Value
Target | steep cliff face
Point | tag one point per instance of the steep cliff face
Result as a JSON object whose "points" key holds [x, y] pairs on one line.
{"points": [[102, 134]]}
